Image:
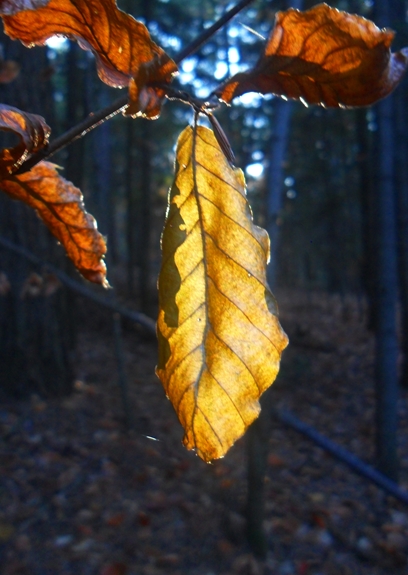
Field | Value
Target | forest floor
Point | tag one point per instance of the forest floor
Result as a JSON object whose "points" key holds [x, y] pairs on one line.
{"points": [[81, 495]]}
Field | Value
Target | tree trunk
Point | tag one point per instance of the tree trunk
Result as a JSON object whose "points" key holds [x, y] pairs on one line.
{"points": [[277, 153], [131, 204], [258, 432], [257, 449], [366, 188], [282, 115], [35, 343], [75, 112], [401, 155], [402, 222], [145, 187], [145, 219], [386, 377]]}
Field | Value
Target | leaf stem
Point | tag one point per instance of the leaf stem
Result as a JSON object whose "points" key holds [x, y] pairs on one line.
{"points": [[97, 118]]}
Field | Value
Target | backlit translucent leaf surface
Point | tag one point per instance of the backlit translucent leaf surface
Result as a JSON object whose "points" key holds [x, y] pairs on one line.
{"points": [[60, 205], [122, 46], [220, 341], [323, 56]]}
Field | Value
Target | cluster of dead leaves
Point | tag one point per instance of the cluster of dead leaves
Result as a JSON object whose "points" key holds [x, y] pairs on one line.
{"points": [[125, 56], [220, 341], [57, 201]]}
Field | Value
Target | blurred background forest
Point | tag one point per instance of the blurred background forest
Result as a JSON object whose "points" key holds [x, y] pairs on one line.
{"points": [[331, 187]]}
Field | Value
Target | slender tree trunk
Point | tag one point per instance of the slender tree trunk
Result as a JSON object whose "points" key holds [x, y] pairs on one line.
{"points": [[386, 376], [366, 187], [145, 186], [386, 298], [402, 221], [277, 153], [103, 176], [257, 447], [131, 203], [145, 220], [401, 155], [34, 342], [274, 199], [258, 432], [131, 187], [75, 112]]}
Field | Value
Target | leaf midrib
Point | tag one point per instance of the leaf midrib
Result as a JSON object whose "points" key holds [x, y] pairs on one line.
{"points": [[197, 196]]}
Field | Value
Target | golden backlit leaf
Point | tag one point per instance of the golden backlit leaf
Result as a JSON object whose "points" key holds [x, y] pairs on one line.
{"points": [[220, 341], [32, 131], [323, 56], [60, 205], [122, 46]]}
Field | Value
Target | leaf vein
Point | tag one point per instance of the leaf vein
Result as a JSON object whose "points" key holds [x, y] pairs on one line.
{"points": [[226, 393], [227, 255], [235, 222], [220, 179], [208, 423], [50, 206], [238, 357], [243, 313], [175, 368]]}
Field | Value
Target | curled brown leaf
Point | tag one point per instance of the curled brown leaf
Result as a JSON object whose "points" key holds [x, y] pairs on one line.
{"points": [[32, 131], [145, 100], [122, 46], [323, 56]]}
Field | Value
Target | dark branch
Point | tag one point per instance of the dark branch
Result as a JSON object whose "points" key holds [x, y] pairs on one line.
{"points": [[88, 124], [81, 289], [209, 32]]}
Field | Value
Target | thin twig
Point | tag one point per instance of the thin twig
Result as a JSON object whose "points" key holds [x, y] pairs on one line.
{"points": [[342, 454], [135, 316], [206, 35], [97, 118], [88, 124]]}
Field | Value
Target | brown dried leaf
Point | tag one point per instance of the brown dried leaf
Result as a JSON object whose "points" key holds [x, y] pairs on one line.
{"points": [[5, 286], [122, 45], [9, 70], [36, 286], [32, 286], [60, 205], [114, 569], [32, 131], [323, 56], [220, 340], [51, 284]]}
